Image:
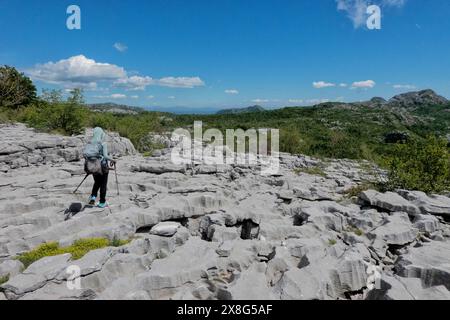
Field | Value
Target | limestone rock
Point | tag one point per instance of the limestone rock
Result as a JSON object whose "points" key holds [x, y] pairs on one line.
{"points": [[429, 263], [10, 268], [389, 201], [165, 229], [435, 204]]}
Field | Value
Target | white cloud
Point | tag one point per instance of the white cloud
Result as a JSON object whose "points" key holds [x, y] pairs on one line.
{"points": [[404, 86], [295, 100], [79, 71], [120, 47], [231, 91], [134, 83], [134, 97], [151, 97], [180, 82], [368, 84], [322, 84], [260, 100], [76, 71], [171, 97], [357, 9], [343, 85]]}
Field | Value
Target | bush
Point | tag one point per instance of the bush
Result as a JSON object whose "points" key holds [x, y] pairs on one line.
{"points": [[65, 117], [422, 165], [78, 249], [290, 141], [15, 88]]}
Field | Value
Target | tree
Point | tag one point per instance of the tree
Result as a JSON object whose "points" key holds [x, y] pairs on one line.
{"points": [[76, 96], [52, 96], [15, 88], [422, 165]]}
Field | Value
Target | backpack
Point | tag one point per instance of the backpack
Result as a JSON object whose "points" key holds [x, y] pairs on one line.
{"points": [[93, 155]]}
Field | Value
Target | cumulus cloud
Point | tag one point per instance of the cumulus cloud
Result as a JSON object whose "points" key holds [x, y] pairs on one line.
{"points": [[80, 71], [120, 47], [368, 84], [357, 9], [231, 91], [136, 83], [404, 86], [76, 71], [133, 83], [322, 84]]}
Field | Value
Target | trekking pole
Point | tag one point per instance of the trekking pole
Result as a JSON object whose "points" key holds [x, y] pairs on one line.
{"points": [[117, 180], [81, 183]]}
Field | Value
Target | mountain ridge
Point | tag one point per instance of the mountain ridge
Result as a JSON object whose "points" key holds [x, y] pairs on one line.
{"points": [[408, 100]]}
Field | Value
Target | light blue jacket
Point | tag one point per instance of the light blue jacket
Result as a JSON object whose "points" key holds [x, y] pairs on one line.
{"points": [[98, 138]]}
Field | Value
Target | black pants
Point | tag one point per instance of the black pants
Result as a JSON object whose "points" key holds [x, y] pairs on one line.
{"points": [[101, 183]]}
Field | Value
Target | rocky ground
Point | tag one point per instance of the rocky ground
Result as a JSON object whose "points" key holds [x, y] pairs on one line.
{"points": [[216, 232]]}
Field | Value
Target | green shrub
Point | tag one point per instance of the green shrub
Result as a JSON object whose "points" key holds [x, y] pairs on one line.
{"points": [[290, 141], [422, 165], [53, 114], [78, 249], [4, 279]]}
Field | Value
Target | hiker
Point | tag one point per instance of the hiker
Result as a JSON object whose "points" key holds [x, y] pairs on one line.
{"points": [[97, 163]]}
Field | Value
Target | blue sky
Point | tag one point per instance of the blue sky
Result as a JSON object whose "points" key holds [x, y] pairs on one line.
{"points": [[229, 53]]}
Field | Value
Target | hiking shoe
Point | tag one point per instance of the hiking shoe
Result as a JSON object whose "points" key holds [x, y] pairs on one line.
{"points": [[102, 205], [92, 200]]}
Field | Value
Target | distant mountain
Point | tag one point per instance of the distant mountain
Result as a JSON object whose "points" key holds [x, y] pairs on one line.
{"points": [[242, 110], [417, 99], [115, 108], [409, 100]]}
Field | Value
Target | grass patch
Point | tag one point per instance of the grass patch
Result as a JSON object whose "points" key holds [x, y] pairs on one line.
{"points": [[78, 249], [355, 230], [332, 242], [316, 171], [357, 190], [4, 279], [119, 243]]}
